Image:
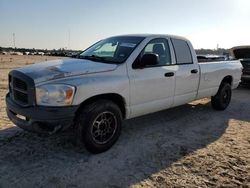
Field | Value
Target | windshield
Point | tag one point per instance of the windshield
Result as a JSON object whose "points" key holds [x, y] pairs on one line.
{"points": [[112, 50]]}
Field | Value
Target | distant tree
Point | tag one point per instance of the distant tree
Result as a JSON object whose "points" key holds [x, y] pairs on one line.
{"points": [[219, 51]]}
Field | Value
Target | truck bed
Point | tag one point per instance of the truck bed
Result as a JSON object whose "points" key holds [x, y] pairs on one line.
{"points": [[213, 72]]}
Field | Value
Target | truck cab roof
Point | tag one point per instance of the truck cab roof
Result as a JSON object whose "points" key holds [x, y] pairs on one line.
{"points": [[153, 35]]}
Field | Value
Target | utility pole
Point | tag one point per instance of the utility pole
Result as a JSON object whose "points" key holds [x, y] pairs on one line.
{"points": [[69, 39], [14, 40]]}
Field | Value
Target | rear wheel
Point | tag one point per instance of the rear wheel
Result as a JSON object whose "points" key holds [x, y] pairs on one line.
{"points": [[98, 126], [223, 97]]}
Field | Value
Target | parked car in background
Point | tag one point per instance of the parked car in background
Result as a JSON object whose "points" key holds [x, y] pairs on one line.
{"points": [[243, 54], [210, 58], [117, 78], [4, 53], [16, 53]]}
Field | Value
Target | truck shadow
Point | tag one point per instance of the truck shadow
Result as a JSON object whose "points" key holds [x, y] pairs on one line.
{"points": [[147, 145]]}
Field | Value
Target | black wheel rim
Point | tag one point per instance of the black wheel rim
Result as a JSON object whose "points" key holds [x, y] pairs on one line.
{"points": [[226, 97], [104, 127]]}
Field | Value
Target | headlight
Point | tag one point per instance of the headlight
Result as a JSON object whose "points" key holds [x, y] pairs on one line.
{"points": [[54, 95]]}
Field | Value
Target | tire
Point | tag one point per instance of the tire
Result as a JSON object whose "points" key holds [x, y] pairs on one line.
{"points": [[98, 126], [223, 97]]}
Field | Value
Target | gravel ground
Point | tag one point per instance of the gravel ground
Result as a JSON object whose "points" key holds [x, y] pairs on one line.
{"points": [[188, 146]]}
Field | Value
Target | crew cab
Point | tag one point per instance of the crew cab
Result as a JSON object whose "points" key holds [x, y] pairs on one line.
{"points": [[117, 78]]}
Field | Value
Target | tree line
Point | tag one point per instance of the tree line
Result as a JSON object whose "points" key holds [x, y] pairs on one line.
{"points": [[62, 51]]}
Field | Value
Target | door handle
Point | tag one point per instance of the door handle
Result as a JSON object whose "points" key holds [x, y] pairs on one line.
{"points": [[169, 74], [194, 71]]}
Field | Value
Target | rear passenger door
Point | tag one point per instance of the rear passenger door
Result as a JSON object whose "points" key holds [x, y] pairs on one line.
{"points": [[187, 75]]}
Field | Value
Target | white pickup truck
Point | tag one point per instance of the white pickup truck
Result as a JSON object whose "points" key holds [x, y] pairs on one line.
{"points": [[117, 78]]}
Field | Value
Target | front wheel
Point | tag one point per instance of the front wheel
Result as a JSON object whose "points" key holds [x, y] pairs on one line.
{"points": [[98, 126], [223, 97]]}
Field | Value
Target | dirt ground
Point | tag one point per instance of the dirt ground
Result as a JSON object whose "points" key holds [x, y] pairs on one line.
{"points": [[188, 146]]}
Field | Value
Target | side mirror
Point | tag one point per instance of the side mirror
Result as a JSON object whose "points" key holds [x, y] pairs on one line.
{"points": [[149, 60]]}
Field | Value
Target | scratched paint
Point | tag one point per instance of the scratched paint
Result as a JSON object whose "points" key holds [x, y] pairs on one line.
{"points": [[57, 69]]}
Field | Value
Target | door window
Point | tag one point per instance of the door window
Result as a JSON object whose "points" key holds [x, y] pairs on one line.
{"points": [[161, 48], [182, 52]]}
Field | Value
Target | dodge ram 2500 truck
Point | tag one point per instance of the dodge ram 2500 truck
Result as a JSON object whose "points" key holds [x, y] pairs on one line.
{"points": [[117, 78]]}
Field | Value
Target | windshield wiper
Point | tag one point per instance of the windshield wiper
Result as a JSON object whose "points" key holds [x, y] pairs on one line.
{"points": [[96, 58], [92, 57]]}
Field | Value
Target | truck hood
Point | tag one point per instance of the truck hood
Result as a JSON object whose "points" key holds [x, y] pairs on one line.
{"points": [[51, 70]]}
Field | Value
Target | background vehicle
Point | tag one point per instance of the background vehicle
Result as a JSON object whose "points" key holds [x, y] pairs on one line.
{"points": [[243, 54], [117, 78], [210, 58]]}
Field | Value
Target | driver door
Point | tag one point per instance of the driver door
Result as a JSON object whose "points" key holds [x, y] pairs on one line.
{"points": [[152, 87]]}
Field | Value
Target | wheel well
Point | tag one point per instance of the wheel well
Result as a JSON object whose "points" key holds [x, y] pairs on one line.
{"points": [[227, 79], [116, 98]]}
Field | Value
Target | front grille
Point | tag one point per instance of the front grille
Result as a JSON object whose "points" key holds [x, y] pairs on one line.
{"points": [[21, 88], [246, 72], [20, 84], [21, 97], [10, 83], [246, 64]]}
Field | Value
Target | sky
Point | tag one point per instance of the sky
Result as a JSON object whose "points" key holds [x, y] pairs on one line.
{"points": [[76, 24]]}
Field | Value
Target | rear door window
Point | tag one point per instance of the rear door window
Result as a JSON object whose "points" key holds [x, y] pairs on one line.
{"points": [[182, 52]]}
